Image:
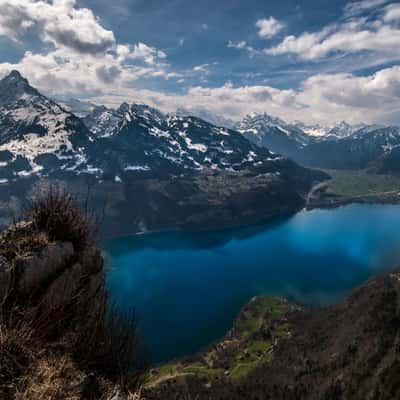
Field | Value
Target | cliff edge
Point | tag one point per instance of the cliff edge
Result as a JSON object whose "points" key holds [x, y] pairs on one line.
{"points": [[58, 337]]}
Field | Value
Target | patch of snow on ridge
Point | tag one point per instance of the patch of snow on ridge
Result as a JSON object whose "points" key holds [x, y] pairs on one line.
{"points": [[193, 146], [137, 168], [154, 131], [33, 145]]}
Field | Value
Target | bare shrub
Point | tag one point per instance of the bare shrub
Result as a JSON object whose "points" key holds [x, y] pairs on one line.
{"points": [[59, 214], [109, 344]]}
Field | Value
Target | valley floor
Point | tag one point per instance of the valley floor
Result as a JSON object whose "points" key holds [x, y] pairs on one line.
{"points": [[349, 186]]}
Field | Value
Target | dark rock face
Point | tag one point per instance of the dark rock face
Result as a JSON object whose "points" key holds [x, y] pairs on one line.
{"points": [[35, 271], [55, 274], [347, 351], [57, 339]]}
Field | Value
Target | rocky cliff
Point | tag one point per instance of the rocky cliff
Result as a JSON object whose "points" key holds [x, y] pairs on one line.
{"points": [[56, 338]]}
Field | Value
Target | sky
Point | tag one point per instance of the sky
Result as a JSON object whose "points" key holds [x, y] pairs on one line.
{"points": [[317, 61]]}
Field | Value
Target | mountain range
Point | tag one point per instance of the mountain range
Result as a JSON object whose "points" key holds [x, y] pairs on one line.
{"points": [[145, 170], [336, 146], [342, 146]]}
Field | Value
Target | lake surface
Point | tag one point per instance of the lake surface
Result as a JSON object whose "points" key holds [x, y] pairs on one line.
{"points": [[187, 288]]}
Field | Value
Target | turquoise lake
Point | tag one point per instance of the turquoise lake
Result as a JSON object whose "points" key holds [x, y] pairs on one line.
{"points": [[187, 288]]}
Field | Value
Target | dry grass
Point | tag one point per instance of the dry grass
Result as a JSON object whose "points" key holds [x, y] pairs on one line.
{"points": [[34, 367], [53, 377], [45, 346], [16, 354], [60, 215], [22, 240]]}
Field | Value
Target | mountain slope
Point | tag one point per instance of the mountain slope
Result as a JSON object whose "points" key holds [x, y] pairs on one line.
{"points": [[275, 134], [281, 351], [36, 134], [139, 139], [361, 150]]}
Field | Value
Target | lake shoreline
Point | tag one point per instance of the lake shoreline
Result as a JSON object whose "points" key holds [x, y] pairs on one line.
{"points": [[195, 284]]}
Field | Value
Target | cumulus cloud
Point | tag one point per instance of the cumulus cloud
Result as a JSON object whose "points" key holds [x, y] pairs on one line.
{"points": [[268, 27], [83, 56], [373, 98], [141, 51], [351, 36], [58, 22]]}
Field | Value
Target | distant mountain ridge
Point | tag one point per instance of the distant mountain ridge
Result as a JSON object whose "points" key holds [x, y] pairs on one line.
{"points": [[342, 146]]}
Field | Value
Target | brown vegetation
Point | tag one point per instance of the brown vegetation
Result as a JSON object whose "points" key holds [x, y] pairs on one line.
{"points": [[63, 341], [59, 214]]}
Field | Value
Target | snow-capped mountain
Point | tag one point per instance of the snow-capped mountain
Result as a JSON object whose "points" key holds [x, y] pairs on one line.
{"points": [[362, 149], [342, 130], [206, 115], [137, 138], [35, 132], [274, 133], [339, 146], [78, 107], [39, 137]]}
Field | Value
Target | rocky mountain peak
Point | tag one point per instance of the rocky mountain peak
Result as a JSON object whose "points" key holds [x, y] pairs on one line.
{"points": [[14, 87]]}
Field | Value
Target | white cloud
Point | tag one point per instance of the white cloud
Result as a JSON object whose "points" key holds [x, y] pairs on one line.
{"points": [[204, 68], [373, 98], [268, 27], [140, 51], [237, 45], [84, 57], [59, 23], [392, 12], [351, 36], [242, 45]]}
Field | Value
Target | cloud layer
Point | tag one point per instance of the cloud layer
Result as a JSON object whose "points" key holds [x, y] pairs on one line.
{"points": [[80, 57]]}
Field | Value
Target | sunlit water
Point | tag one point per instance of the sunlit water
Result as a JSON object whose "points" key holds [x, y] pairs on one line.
{"points": [[187, 288]]}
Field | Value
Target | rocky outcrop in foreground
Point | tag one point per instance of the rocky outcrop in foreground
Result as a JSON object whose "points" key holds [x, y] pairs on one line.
{"points": [[55, 339], [53, 273]]}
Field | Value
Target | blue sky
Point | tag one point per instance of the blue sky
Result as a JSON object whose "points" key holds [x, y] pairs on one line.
{"points": [[317, 61]]}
